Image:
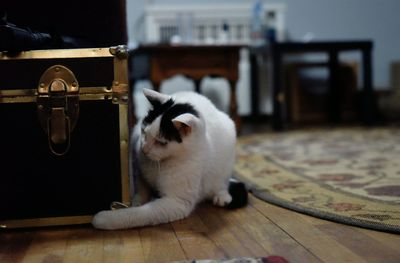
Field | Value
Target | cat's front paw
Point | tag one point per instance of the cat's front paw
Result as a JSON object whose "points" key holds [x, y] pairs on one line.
{"points": [[223, 198], [105, 220]]}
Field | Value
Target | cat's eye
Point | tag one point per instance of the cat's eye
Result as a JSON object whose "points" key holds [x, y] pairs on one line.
{"points": [[161, 143]]}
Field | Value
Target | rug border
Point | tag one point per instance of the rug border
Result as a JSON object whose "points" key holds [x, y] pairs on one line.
{"points": [[316, 213]]}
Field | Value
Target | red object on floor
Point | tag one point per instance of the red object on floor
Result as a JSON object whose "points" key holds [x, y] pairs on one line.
{"points": [[274, 259]]}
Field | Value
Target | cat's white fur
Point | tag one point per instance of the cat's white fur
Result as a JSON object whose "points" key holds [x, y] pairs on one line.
{"points": [[183, 174]]}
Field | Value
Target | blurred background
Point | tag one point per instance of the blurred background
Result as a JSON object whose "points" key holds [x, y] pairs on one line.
{"points": [[247, 22]]}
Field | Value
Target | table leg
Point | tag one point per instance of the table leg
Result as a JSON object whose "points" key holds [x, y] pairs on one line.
{"points": [[278, 94], [334, 96], [197, 83], [368, 103], [255, 88], [156, 86]]}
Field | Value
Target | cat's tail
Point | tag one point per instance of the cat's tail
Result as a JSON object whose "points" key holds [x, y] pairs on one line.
{"points": [[239, 194]]}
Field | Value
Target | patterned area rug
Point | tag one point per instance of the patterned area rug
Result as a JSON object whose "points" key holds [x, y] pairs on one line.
{"points": [[347, 175]]}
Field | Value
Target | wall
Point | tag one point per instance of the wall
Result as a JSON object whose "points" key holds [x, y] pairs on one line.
{"points": [[330, 20]]}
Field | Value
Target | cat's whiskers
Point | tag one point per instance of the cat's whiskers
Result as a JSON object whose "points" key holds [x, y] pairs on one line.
{"points": [[159, 167], [158, 163]]}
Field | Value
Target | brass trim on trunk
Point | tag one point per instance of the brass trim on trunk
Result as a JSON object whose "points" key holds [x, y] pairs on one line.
{"points": [[46, 221], [120, 95], [29, 95], [61, 53], [124, 152]]}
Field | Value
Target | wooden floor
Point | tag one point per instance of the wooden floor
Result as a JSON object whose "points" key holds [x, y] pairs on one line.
{"points": [[258, 230]]}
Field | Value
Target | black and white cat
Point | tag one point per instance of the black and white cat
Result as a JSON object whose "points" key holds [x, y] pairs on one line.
{"points": [[186, 152]]}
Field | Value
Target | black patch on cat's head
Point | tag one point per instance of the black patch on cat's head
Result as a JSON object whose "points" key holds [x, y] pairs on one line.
{"points": [[167, 128], [158, 109]]}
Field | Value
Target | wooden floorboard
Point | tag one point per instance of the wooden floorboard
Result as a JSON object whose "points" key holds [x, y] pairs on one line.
{"points": [[319, 244], [260, 229], [160, 242]]}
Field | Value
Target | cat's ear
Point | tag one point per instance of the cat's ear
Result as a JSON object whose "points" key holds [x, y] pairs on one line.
{"points": [[184, 123], [154, 97]]}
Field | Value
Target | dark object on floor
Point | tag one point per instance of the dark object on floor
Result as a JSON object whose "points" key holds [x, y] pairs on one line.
{"points": [[270, 259], [239, 195]]}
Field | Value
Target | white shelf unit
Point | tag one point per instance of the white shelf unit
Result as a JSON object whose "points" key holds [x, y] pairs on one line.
{"points": [[203, 24]]}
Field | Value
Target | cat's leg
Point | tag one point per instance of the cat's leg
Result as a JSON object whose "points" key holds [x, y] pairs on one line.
{"points": [[220, 193], [144, 192], [220, 178], [159, 211], [222, 198]]}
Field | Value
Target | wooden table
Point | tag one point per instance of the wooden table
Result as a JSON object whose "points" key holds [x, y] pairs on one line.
{"points": [[192, 61], [332, 48]]}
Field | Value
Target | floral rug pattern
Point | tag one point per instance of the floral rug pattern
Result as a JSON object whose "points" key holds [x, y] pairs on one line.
{"points": [[348, 175]]}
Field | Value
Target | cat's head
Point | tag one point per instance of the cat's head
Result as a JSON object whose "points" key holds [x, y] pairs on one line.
{"points": [[168, 127]]}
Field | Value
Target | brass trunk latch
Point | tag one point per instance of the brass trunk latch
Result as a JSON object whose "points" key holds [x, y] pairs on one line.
{"points": [[58, 106]]}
